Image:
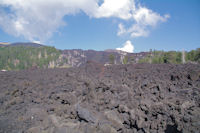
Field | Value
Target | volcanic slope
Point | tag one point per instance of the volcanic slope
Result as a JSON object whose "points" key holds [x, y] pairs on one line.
{"points": [[156, 98]]}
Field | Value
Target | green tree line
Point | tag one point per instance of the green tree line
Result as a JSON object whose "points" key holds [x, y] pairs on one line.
{"points": [[172, 57], [21, 57]]}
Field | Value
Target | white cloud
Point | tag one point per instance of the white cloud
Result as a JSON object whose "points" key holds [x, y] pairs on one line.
{"points": [[37, 42], [127, 47], [40, 19], [147, 17], [138, 30], [121, 29], [144, 19], [115, 8]]}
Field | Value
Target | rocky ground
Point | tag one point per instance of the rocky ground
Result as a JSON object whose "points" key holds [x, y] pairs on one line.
{"points": [[141, 98]]}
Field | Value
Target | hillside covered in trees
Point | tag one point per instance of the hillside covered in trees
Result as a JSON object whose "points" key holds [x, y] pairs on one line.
{"points": [[21, 57]]}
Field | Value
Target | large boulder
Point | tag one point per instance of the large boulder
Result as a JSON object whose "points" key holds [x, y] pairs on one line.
{"points": [[85, 115], [112, 117]]}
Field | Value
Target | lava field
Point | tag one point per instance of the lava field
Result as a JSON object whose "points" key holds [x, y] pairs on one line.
{"points": [[138, 98]]}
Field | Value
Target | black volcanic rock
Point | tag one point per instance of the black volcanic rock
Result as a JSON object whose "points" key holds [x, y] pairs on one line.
{"points": [[93, 98]]}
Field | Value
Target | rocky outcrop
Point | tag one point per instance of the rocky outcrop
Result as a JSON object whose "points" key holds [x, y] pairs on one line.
{"points": [[78, 57], [142, 98]]}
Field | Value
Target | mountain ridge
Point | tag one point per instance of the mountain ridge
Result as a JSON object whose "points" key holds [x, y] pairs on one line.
{"points": [[26, 44]]}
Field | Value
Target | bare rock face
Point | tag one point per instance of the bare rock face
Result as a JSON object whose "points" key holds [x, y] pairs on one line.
{"points": [[78, 57], [136, 98]]}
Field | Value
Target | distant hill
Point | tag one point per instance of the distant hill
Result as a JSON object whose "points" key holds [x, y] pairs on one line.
{"points": [[26, 44], [19, 56], [4, 44]]}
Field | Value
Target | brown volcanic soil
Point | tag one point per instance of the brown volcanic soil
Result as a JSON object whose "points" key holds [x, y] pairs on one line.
{"points": [[96, 99]]}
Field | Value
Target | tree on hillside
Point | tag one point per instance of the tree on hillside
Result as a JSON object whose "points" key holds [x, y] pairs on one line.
{"points": [[125, 60], [111, 58]]}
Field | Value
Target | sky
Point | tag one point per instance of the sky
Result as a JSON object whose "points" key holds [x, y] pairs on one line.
{"points": [[127, 25]]}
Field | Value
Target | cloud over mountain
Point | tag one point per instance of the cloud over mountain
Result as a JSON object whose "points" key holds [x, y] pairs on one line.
{"points": [[38, 20], [127, 47]]}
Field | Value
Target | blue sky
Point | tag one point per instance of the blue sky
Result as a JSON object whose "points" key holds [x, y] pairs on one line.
{"points": [[170, 24]]}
